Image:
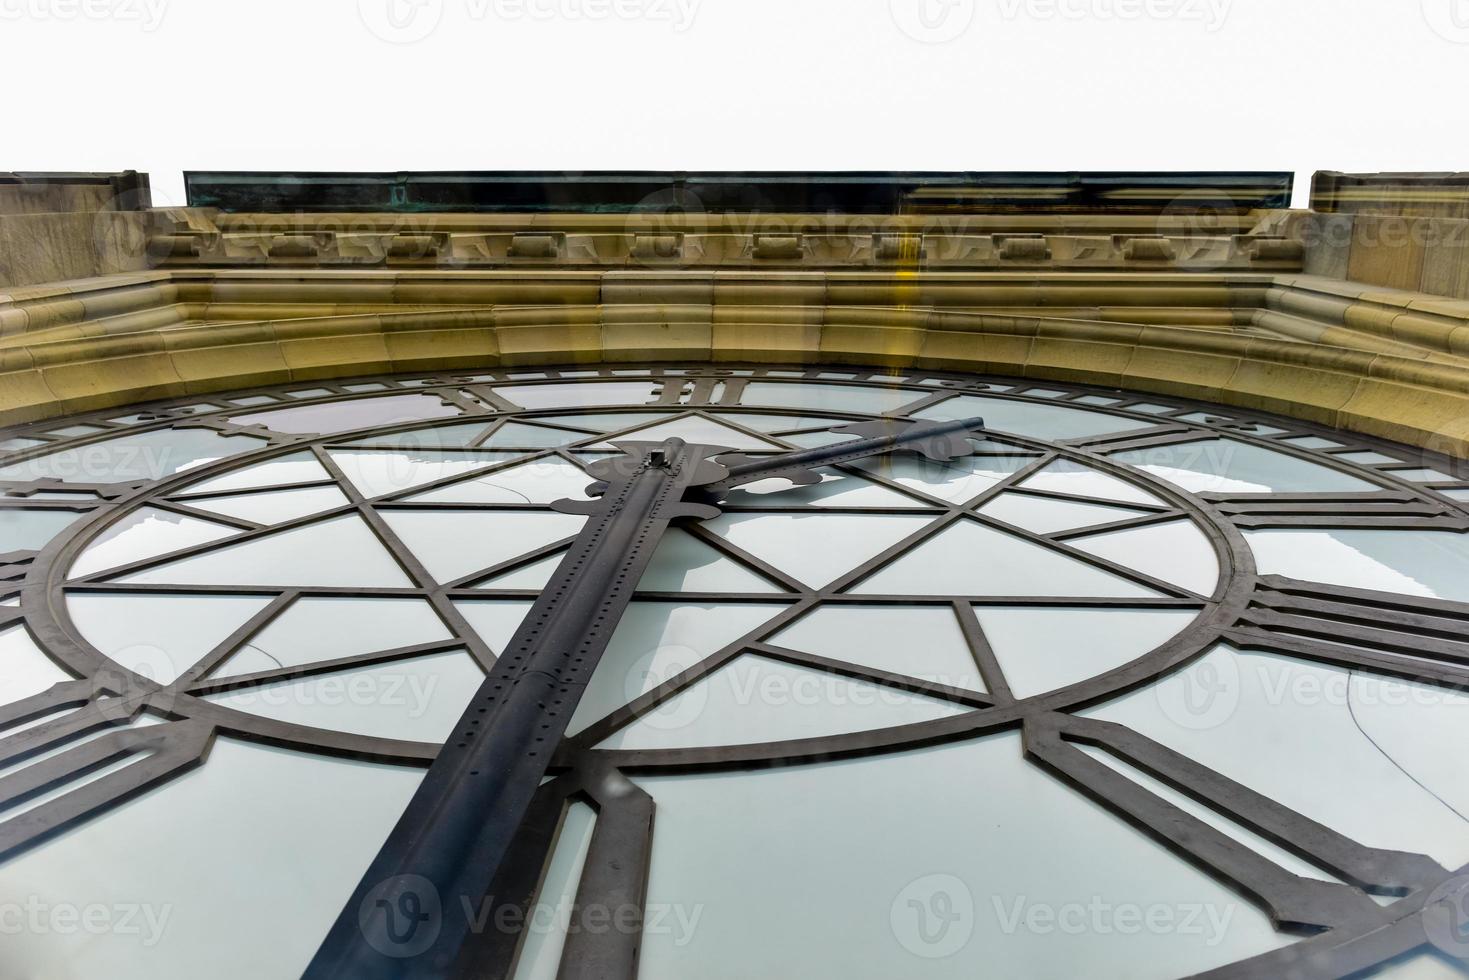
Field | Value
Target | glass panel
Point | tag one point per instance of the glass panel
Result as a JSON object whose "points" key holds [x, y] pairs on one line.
{"points": [[1313, 442], [533, 576], [861, 879], [1368, 458], [75, 431], [1420, 728], [683, 563], [309, 393], [145, 533], [1066, 476], [439, 436], [1424, 476], [275, 507], [694, 430], [159, 636], [250, 401], [318, 628], [815, 548], [1420, 563], [1099, 400], [784, 423], [339, 553], [1177, 553], [541, 482], [514, 435], [494, 620], [376, 473], [295, 468], [32, 530], [1044, 515], [366, 386], [356, 413], [754, 699], [284, 816], [585, 393], [837, 489], [1031, 419], [1042, 650], [1227, 466], [957, 481], [970, 559], [416, 700], [454, 543], [144, 456], [828, 398], [12, 445], [1285, 728], [1456, 494], [24, 670], [917, 641], [655, 642], [548, 920]]}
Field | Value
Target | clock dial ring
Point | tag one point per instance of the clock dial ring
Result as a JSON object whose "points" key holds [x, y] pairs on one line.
{"points": [[1225, 517]]}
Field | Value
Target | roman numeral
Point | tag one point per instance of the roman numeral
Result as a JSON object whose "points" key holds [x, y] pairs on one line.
{"points": [[1292, 901], [162, 751], [1420, 639], [1387, 509]]}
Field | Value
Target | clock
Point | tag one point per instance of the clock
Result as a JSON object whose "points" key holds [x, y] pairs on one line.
{"points": [[1132, 687]]}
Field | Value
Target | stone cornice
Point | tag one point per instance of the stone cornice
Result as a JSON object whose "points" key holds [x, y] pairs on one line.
{"points": [[1378, 361], [1183, 240]]}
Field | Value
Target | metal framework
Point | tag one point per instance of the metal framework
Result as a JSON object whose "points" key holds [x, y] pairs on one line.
{"points": [[1346, 930], [459, 827]]}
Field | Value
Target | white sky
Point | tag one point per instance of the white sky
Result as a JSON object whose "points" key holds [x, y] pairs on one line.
{"points": [[169, 85]]}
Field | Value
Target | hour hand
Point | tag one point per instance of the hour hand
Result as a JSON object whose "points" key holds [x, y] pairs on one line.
{"points": [[939, 441]]}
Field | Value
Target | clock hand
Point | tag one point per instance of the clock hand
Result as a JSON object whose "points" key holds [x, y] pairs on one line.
{"points": [[449, 843], [939, 441], [451, 839]]}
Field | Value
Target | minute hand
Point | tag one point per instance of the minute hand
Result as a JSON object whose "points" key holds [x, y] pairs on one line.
{"points": [[939, 441]]}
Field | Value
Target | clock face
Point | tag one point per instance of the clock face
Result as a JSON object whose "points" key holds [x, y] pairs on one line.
{"points": [[1142, 688]]}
